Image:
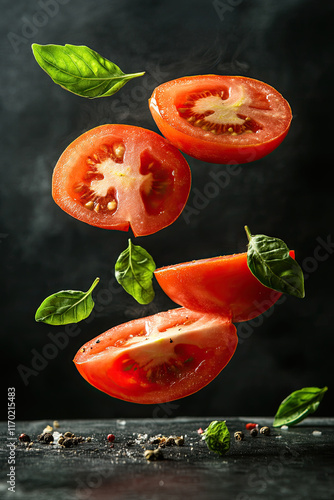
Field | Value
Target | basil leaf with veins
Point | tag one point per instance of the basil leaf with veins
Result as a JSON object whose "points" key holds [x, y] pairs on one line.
{"points": [[270, 262], [217, 437], [298, 405], [66, 306], [81, 70], [134, 271]]}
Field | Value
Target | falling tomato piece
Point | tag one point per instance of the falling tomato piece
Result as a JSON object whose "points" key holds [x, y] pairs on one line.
{"points": [[137, 361], [121, 176], [221, 119]]}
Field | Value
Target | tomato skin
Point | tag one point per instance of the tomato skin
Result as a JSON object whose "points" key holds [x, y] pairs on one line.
{"points": [[218, 285], [148, 184], [225, 148], [170, 355]]}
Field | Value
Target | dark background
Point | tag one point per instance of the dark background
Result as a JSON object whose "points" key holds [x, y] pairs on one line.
{"points": [[287, 44]]}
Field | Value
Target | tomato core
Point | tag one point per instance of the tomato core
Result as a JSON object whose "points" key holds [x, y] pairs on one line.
{"points": [[218, 112]]}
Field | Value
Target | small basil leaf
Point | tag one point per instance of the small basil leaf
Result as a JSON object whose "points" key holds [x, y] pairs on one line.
{"points": [[298, 405], [66, 306], [270, 262], [81, 70], [217, 437], [134, 271]]}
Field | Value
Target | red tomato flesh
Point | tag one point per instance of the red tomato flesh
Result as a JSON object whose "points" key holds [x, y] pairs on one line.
{"points": [[218, 285], [117, 176], [221, 119], [159, 358]]}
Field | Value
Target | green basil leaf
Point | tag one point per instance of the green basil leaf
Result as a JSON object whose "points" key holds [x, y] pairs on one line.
{"points": [[81, 70], [217, 437], [134, 271], [270, 262], [298, 405], [66, 306]]}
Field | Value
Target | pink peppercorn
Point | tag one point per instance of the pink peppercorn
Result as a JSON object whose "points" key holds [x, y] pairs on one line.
{"points": [[111, 438], [251, 426]]}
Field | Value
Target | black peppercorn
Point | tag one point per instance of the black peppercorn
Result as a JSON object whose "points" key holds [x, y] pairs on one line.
{"points": [[48, 438], [239, 436], [253, 432], [68, 434], [265, 431], [68, 442]]}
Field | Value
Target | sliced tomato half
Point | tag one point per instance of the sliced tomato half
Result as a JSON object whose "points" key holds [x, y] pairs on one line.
{"points": [[221, 119], [219, 285], [159, 358], [117, 176]]}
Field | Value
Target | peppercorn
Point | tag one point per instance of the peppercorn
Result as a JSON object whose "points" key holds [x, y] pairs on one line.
{"points": [[61, 439], [153, 454], [111, 438], [69, 434], [24, 438], [239, 436], [179, 441], [48, 438], [253, 432], [68, 442], [251, 426], [265, 431]]}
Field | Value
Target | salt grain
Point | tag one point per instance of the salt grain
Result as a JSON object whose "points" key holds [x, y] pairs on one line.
{"points": [[316, 433], [285, 427], [121, 423]]}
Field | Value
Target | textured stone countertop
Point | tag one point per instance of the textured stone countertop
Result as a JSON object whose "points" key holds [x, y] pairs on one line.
{"points": [[297, 463]]}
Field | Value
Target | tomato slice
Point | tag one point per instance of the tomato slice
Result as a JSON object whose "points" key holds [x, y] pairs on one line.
{"points": [[117, 176], [159, 358], [218, 285], [221, 119]]}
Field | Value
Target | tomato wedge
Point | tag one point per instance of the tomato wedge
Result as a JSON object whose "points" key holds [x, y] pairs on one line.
{"points": [[159, 358], [221, 119], [117, 176], [218, 285]]}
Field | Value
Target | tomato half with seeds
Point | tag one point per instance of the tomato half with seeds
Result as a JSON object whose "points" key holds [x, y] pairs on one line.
{"points": [[221, 119], [159, 358], [218, 285], [117, 176]]}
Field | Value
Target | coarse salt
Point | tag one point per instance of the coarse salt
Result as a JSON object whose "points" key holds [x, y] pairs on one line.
{"points": [[316, 433]]}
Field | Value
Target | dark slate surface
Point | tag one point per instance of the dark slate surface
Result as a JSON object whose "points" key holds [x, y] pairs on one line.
{"points": [[290, 464], [286, 43]]}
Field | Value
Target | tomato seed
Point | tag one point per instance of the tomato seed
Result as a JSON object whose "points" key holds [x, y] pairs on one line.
{"points": [[112, 205], [119, 150]]}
